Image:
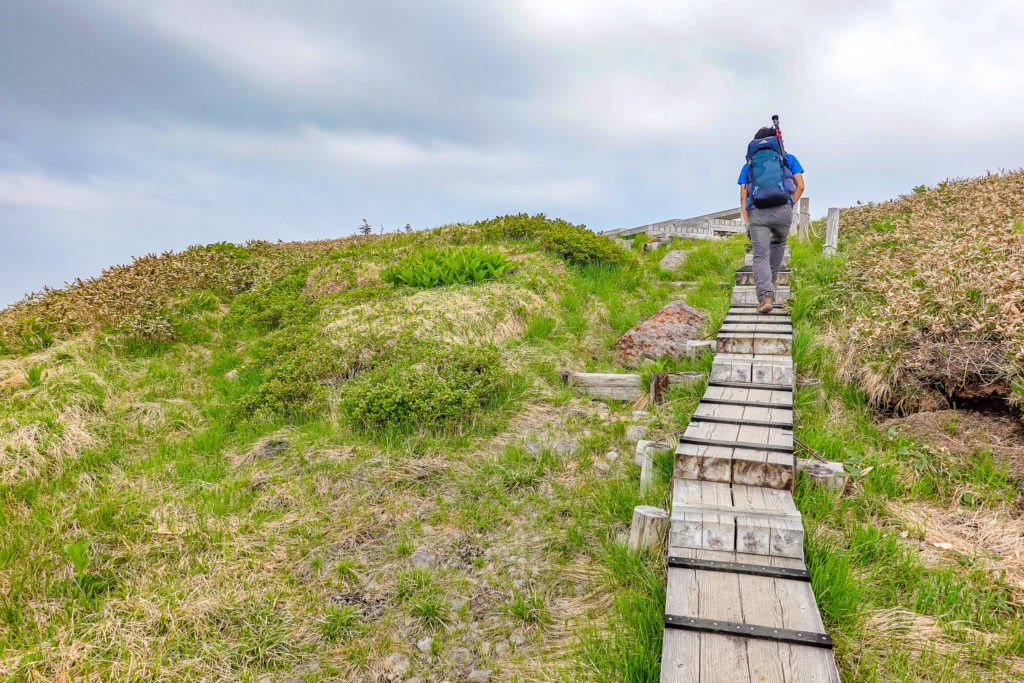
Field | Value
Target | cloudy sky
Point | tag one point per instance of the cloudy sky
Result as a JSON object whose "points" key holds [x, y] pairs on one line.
{"points": [[130, 126]]}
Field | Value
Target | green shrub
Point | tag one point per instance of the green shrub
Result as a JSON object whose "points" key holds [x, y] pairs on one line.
{"points": [[433, 388], [433, 267], [574, 243]]}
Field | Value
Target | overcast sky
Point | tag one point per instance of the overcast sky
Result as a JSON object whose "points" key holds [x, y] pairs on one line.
{"points": [[130, 126]]}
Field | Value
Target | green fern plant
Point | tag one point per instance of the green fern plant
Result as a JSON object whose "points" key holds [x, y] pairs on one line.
{"points": [[34, 375], [435, 267]]}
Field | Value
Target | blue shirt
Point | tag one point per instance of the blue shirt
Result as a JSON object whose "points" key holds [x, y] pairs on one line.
{"points": [[794, 166]]}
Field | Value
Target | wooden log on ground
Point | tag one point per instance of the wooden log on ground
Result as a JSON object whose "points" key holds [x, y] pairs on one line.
{"points": [[661, 381], [620, 387], [648, 530], [831, 233]]}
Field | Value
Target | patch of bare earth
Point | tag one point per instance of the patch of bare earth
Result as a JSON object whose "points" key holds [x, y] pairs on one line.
{"points": [[964, 433]]}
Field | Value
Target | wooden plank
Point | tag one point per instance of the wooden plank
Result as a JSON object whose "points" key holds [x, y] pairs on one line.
{"points": [[746, 277], [617, 386], [680, 661]]}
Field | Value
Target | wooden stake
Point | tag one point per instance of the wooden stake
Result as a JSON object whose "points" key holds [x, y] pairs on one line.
{"points": [[649, 529], [832, 233]]}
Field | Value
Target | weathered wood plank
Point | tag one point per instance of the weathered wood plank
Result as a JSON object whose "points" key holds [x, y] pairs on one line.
{"points": [[747, 294], [832, 233], [621, 387]]}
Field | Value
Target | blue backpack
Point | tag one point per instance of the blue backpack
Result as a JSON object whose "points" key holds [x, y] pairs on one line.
{"points": [[769, 180]]}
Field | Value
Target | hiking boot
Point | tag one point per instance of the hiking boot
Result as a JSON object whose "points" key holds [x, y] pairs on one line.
{"points": [[766, 305]]}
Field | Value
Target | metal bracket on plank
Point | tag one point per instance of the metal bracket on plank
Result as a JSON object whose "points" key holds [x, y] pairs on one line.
{"points": [[750, 330], [751, 385], [739, 568], [737, 444], [744, 402], [741, 421], [731, 628]]}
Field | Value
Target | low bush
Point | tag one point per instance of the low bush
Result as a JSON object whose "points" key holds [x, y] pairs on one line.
{"points": [[429, 386], [574, 243], [434, 267]]}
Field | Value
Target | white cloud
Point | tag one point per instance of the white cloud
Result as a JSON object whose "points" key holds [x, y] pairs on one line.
{"points": [[40, 191], [267, 48]]}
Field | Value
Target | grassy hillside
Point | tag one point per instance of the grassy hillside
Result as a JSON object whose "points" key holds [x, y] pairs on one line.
{"points": [[918, 566], [355, 459], [224, 463]]}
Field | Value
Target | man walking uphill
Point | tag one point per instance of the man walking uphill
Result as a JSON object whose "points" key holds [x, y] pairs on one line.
{"points": [[770, 183]]}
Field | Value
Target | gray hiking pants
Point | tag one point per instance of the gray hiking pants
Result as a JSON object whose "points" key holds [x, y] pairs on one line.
{"points": [[767, 230]]}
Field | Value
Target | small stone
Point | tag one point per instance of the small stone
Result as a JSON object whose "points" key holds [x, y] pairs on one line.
{"points": [[397, 663], [265, 679], [484, 648], [424, 644], [635, 432], [601, 466], [673, 259], [611, 456], [310, 665], [518, 584], [517, 639], [501, 648], [293, 679], [231, 374], [479, 676], [424, 559], [460, 656], [641, 413], [457, 604]]}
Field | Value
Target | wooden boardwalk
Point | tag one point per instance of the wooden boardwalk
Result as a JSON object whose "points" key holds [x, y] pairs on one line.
{"points": [[739, 605]]}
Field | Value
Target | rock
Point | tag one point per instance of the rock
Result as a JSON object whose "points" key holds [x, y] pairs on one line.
{"points": [[310, 665], [602, 467], [611, 456], [501, 648], [673, 259], [269, 448], [397, 663], [558, 447], [635, 432], [293, 679], [424, 559], [265, 679], [460, 656], [479, 676], [517, 639], [662, 335], [457, 604], [424, 644], [231, 374]]}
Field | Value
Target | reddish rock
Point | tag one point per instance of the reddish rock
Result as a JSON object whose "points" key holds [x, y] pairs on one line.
{"points": [[663, 334]]}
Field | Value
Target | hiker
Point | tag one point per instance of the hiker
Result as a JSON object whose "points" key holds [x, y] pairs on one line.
{"points": [[769, 187]]}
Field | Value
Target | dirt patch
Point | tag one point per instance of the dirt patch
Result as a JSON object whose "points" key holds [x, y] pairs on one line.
{"points": [[995, 427]]}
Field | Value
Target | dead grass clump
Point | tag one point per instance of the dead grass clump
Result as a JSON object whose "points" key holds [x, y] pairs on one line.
{"points": [[940, 274], [993, 537], [964, 433], [922, 634]]}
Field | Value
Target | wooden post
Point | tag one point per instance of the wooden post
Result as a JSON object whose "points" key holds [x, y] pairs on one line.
{"points": [[805, 216], [813, 385], [832, 233], [649, 529]]}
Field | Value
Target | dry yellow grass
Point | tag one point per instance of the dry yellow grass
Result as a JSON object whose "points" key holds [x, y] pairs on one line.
{"points": [[941, 274]]}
